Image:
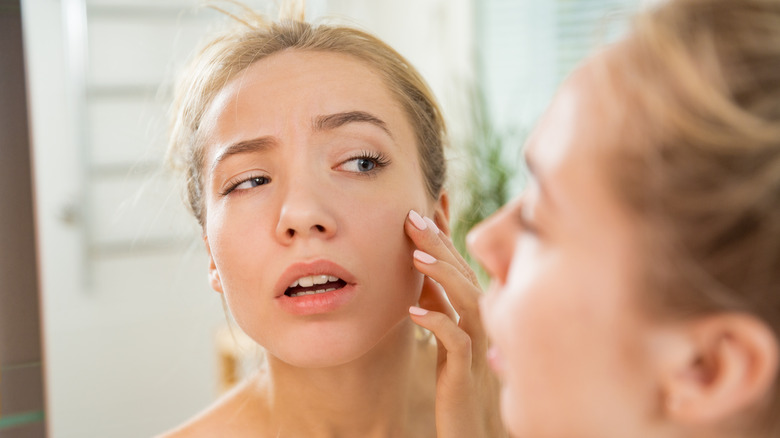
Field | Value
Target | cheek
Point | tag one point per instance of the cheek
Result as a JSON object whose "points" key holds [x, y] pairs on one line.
{"points": [[567, 333], [543, 322], [384, 249], [235, 232], [376, 224]]}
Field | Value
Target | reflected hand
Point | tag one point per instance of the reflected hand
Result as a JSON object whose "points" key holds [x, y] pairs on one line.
{"points": [[467, 392]]}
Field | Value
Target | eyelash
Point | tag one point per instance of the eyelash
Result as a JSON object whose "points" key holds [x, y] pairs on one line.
{"points": [[379, 159], [238, 181]]}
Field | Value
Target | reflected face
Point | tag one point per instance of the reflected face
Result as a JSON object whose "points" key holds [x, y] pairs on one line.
{"points": [[569, 340], [310, 169]]}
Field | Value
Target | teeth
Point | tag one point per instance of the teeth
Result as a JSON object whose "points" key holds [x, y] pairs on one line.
{"points": [[312, 292], [312, 280]]}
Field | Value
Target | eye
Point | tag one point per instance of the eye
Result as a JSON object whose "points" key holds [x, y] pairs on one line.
{"points": [[252, 183], [362, 164], [246, 183], [366, 163]]}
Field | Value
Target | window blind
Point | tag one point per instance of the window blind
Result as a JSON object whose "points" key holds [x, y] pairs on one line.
{"points": [[526, 49]]}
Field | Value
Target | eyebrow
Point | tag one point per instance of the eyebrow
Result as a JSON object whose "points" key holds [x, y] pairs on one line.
{"points": [[333, 121], [254, 145], [321, 123]]}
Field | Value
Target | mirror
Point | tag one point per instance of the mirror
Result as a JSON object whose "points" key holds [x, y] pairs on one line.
{"points": [[134, 338]]}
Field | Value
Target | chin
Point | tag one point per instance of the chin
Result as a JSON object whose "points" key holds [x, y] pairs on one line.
{"points": [[331, 345], [321, 354]]}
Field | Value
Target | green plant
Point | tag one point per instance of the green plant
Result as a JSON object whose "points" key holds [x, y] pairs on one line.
{"points": [[488, 168]]}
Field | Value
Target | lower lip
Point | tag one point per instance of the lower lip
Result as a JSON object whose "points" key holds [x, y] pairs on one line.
{"points": [[316, 304]]}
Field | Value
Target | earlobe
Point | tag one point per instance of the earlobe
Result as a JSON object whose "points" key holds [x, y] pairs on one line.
{"points": [[441, 215], [214, 280], [730, 371]]}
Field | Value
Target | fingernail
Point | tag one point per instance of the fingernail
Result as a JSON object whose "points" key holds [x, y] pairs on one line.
{"points": [[424, 257], [417, 220], [432, 224], [414, 310]]}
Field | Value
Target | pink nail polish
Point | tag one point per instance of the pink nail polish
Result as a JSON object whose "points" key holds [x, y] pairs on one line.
{"points": [[432, 224], [424, 257], [414, 310], [417, 220]]}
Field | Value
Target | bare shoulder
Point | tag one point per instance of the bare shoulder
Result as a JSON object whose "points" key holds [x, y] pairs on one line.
{"points": [[241, 412]]}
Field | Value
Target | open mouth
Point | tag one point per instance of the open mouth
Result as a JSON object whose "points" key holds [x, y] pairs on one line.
{"points": [[314, 284]]}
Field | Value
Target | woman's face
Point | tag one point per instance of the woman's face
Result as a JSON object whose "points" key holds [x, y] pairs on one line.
{"points": [[311, 167], [570, 342]]}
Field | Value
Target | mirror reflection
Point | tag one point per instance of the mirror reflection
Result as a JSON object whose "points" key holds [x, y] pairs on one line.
{"points": [[136, 340]]}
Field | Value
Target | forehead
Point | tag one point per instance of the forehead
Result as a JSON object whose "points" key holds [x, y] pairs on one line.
{"points": [[296, 84], [568, 151]]}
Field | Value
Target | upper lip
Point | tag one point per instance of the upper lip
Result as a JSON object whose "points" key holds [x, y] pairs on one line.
{"points": [[314, 267]]}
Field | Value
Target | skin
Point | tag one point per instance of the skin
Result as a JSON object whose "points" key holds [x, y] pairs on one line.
{"points": [[577, 353], [322, 165]]}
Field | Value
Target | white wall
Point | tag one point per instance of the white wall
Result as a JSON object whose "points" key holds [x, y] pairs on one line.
{"points": [[129, 319], [436, 36]]}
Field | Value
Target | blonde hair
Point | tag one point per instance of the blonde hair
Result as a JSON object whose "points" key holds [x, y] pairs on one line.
{"points": [[699, 162], [252, 39]]}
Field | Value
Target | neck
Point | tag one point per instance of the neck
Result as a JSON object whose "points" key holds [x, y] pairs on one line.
{"points": [[373, 396]]}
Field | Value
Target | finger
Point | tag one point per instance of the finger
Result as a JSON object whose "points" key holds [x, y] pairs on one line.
{"points": [[427, 237], [455, 341], [423, 232], [462, 294], [465, 267], [434, 298]]}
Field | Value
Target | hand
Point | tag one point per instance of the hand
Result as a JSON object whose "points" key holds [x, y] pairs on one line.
{"points": [[467, 392]]}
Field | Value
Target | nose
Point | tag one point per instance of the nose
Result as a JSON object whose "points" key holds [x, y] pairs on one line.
{"points": [[492, 241], [305, 213]]}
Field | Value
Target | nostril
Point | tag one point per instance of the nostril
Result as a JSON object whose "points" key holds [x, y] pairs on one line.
{"points": [[291, 233]]}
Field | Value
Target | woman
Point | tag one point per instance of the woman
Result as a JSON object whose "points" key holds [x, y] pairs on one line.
{"points": [[637, 280], [308, 152]]}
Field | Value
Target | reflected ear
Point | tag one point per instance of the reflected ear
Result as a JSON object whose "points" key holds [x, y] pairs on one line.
{"points": [[214, 280], [441, 215], [727, 370]]}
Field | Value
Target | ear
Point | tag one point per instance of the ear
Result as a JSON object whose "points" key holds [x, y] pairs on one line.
{"points": [[727, 372], [441, 215], [214, 280]]}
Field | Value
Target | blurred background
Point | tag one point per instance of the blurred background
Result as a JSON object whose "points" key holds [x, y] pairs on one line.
{"points": [[108, 327]]}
